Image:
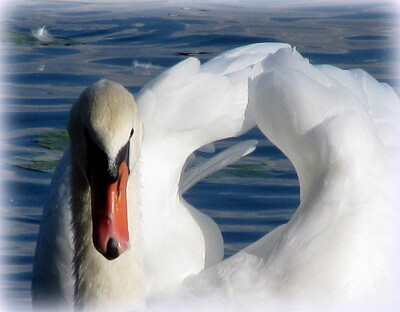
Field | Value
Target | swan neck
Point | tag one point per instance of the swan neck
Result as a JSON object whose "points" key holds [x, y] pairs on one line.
{"points": [[101, 283]]}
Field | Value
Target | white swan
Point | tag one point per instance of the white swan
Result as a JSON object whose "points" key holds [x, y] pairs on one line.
{"points": [[162, 239], [340, 130]]}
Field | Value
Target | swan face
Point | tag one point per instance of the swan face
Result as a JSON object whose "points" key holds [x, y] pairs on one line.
{"points": [[105, 133]]}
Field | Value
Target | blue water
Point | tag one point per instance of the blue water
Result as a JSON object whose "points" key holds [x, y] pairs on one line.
{"points": [[132, 44]]}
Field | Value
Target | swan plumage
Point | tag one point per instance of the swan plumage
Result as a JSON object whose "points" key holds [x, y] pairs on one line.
{"points": [[339, 250], [179, 115], [334, 125]]}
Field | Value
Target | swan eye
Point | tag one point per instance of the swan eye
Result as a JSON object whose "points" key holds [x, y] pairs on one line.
{"points": [[132, 132]]}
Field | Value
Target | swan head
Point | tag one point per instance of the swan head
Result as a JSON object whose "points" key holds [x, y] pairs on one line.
{"points": [[105, 132]]}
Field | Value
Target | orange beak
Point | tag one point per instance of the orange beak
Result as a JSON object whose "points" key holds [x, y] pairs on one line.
{"points": [[110, 213]]}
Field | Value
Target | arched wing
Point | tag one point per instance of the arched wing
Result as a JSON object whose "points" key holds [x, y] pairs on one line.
{"points": [[351, 122], [188, 106], [191, 105]]}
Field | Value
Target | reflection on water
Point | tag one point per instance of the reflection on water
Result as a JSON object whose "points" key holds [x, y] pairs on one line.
{"points": [[133, 43]]}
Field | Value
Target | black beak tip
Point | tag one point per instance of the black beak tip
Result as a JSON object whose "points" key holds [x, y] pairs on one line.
{"points": [[112, 251]]}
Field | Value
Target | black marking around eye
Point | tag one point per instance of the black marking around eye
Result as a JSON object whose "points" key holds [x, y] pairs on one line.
{"points": [[98, 162], [123, 155]]}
